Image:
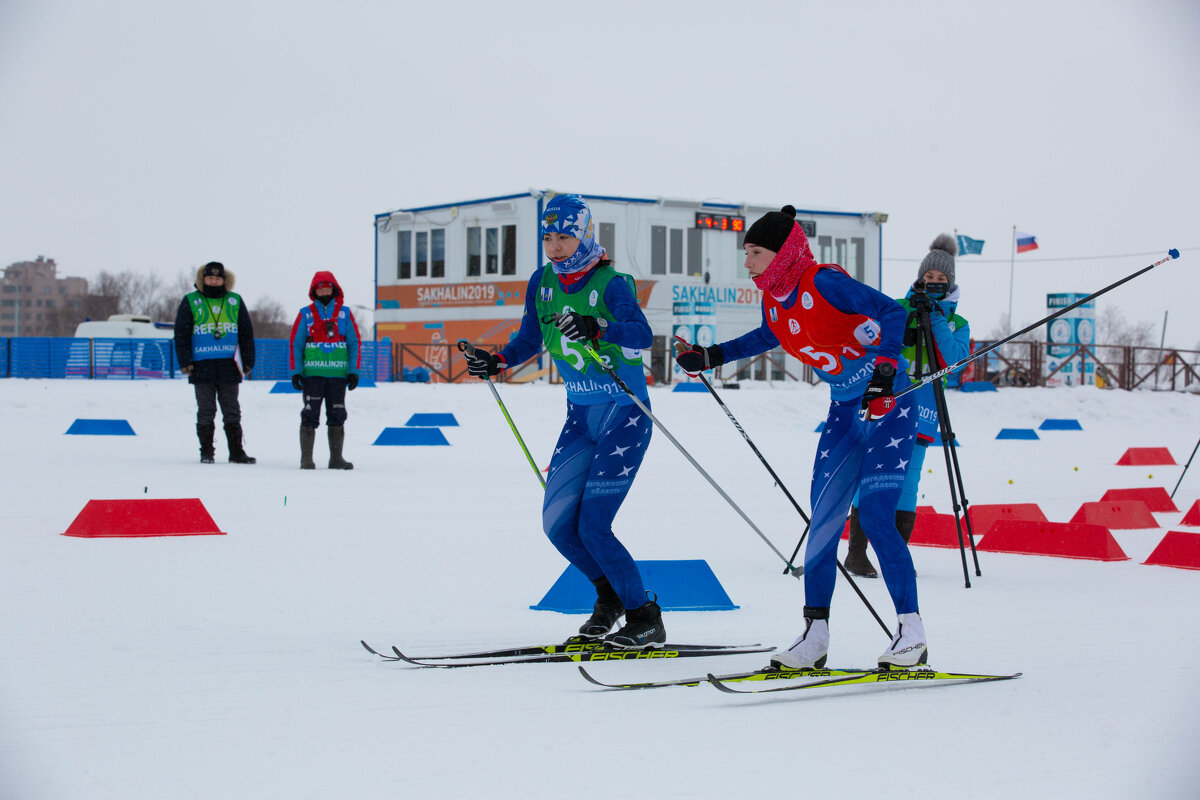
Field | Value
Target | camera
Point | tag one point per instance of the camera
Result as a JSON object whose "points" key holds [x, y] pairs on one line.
{"points": [[921, 287]]}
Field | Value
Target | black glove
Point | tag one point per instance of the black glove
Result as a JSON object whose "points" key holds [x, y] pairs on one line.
{"points": [[482, 364], [352, 381], [579, 327], [879, 398], [298, 383], [921, 302], [694, 359]]}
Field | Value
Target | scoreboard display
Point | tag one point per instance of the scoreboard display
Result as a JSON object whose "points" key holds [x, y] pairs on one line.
{"points": [[720, 222]]}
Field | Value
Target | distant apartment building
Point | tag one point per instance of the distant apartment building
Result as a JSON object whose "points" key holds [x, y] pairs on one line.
{"points": [[34, 301]]}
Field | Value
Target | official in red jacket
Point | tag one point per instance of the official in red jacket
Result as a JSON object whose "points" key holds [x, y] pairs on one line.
{"points": [[325, 358]]}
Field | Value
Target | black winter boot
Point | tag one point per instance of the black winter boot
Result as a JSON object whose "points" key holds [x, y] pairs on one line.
{"points": [[308, 437], [233, 436], [206, 434], [337, 437], [605, 613], [905, 522], [643, 629], [856, 562]]}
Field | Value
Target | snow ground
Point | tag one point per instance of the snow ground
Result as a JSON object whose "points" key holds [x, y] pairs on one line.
{"points": [[229, 666]]}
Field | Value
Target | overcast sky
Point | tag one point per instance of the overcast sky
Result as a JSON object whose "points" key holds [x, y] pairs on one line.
{"points": [[158, 135]]}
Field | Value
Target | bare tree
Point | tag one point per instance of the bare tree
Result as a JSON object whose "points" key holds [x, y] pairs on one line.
{"points": [[271, 319], [136, 293], [1112, 328], [163, 308]]}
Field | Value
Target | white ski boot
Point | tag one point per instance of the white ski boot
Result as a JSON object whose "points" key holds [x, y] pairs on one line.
{"points": [[811, 648], [908, 648]]}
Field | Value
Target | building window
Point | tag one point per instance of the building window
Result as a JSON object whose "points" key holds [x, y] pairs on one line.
{"points": [[825, 250], [675, 255], [473, 254], [421, 254], [858, 248], [508, 258], [668, 254], [404, 256], [437, 268], [422, 258], [608, 238], [695, 252], [658, 250], [492, 251]]}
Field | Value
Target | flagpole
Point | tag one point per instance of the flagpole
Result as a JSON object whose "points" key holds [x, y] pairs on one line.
{"points": [[1011, 263]]}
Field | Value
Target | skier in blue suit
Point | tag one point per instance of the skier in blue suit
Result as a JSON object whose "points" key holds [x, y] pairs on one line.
{"points": [[575, 303]]}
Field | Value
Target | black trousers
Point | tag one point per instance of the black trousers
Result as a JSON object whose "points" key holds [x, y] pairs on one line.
{"points": [[208, 395], [331, 391]]}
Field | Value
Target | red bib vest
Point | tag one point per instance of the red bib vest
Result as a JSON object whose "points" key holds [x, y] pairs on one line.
{"points": [[814, 331]]}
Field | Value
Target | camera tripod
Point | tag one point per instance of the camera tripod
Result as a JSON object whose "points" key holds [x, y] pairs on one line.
{"points": [[922, 337]]}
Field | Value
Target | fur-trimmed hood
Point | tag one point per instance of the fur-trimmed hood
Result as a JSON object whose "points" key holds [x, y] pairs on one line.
{"points": [[230, 279]]}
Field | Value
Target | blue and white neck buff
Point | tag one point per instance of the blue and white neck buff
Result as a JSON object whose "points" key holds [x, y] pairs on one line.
{"points": [[569, 214]]}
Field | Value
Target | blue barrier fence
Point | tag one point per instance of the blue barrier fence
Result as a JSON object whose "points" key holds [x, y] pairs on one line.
{"points": [[138, 359]]}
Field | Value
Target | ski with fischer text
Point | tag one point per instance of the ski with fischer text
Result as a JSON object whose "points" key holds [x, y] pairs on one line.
{"points": [[764, 674], [910, 677], [570, 651]]}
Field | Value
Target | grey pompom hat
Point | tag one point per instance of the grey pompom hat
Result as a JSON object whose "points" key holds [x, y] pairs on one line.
{"points": [[941, 257]]}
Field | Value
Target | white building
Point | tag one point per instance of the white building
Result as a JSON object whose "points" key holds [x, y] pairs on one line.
{"points": [[459, 270]]}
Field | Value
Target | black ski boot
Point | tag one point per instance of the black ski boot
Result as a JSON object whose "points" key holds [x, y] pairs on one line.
{"points": [[605, 613], [206, 434], [337, 437], [233, 436], [308, 437], [856, 562], [905, 522], [643, 629]]}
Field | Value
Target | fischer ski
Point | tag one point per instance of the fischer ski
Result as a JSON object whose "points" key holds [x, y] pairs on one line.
{"points": [[913, 676], [764, 674], [582, 653], [572, 645]]}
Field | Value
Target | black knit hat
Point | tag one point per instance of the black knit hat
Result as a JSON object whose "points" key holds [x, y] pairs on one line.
{"points": [[214, 268], [772, 229], [941, 257]]}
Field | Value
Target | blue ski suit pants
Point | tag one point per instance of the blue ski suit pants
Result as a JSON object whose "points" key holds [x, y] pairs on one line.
{"points": [[597, 456], [870, 458]]}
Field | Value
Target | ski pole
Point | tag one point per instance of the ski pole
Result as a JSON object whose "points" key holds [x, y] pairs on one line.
{"points": [[807, 522], [587, 347], [933, 376], [1185, 469], [466, 347], [750, 442], [788, 565]]}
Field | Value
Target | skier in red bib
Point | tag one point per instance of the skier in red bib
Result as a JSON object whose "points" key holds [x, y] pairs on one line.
{"points": [[851, 335]]}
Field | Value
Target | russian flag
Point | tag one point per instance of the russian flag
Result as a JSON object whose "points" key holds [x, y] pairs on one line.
{"points": [[1026, 242]]}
